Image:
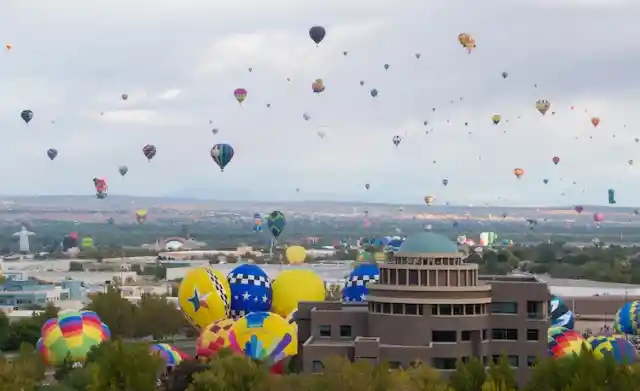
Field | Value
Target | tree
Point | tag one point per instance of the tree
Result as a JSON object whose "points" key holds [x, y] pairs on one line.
{"points": [[125, 367], [501, 374], [114, 311], [4, 329], [230, 373], [468, 376], [24, 372], [156, 317], [21, 331]]}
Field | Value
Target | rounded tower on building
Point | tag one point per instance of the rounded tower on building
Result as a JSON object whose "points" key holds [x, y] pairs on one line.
{"points": [[429, 297]]}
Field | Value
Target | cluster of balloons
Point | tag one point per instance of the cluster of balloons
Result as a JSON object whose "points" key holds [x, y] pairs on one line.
{"points": [[73, 334], [247, 311], [563, 341]]}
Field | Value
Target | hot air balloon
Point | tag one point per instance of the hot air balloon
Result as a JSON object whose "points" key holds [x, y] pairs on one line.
{"points": [[8, 46], [149, 151], [367, 186], [595, 121], [317, 34], [222, 155], [555, 160], [543, 106], [101, 187], [215, 131], [123, 170], [429, 199], [321, 133], [204, 297], [52, 153], [578, 208], [445, 182], [386, 67], [306, 116], [611, 196], [240, 94], [504, 75], [418, 55], [27, 115], [361, 82], [276, 223], [630, 162], [397, 140], [257, 222], [71, 335], [496, 119], [296, 254], [125, 96], [213, 338], [545, 181], [467, 41], [598, 217], [317, 86], [373, 92], [141, 216], [518, 172], [170, 355]]}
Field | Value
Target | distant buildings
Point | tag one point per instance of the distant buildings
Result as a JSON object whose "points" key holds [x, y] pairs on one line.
{"points": [[19, 292]]}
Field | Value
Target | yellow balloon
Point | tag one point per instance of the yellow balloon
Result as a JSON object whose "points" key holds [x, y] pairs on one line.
{"points": [[204, 296], [296, 254], [264, 336], [293, 286]]}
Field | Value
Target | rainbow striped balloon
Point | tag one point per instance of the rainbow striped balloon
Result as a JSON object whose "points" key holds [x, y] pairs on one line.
{"points": [[72, 334], [169, 354], [563, 342]]}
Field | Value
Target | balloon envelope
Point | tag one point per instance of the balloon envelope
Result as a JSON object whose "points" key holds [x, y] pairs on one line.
{"points": [[204, 296], [296, 254]]}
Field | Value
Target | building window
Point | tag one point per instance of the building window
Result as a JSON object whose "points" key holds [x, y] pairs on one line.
{"points": [[466, 335], [484, 334], [444, 336], [533, 334], [458, 309], [325, 330], [413, 277], [397, 308], [444, 363], [395, 365], [512, 360], [445, 309], [531, 361], [469, 309], [345, 330], [504, 334], [434, 309], [386, 308], [534, 310], [504, 307], [317, 366], [480, 309], [411, 309]]}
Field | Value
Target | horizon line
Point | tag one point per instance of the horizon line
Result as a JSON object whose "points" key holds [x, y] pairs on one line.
{"points": [[195, 199]]}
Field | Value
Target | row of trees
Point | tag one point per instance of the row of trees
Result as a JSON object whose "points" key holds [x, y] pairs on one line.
{"points": [[152, 317], [118, 366]]}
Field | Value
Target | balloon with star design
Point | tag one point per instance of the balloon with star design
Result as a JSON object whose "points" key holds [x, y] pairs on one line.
{"points": [[204, 297], [355, 288], [250, 290]]}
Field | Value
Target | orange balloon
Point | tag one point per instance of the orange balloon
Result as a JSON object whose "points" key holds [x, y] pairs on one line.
{"points": [[518, 172], [8, 46]]}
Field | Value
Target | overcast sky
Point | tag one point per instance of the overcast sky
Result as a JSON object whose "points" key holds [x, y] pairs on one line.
{"points": [[179, 62]]}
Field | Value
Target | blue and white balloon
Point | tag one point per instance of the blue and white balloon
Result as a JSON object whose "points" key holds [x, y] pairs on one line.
{"points": [[355, 288], [250, 290]]}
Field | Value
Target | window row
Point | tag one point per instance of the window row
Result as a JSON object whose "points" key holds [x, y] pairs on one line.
{"points": [[535, 309], [458, 309], [436, 309], [445, 363], [325, 331], [425, 261], [415, 277], [396, 308]]}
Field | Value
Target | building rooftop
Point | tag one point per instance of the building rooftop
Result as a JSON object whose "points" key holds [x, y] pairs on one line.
{"points": [[428, 242]]}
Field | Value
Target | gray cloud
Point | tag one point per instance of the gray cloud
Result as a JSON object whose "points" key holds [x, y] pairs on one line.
{"points": [[180, 62]]}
